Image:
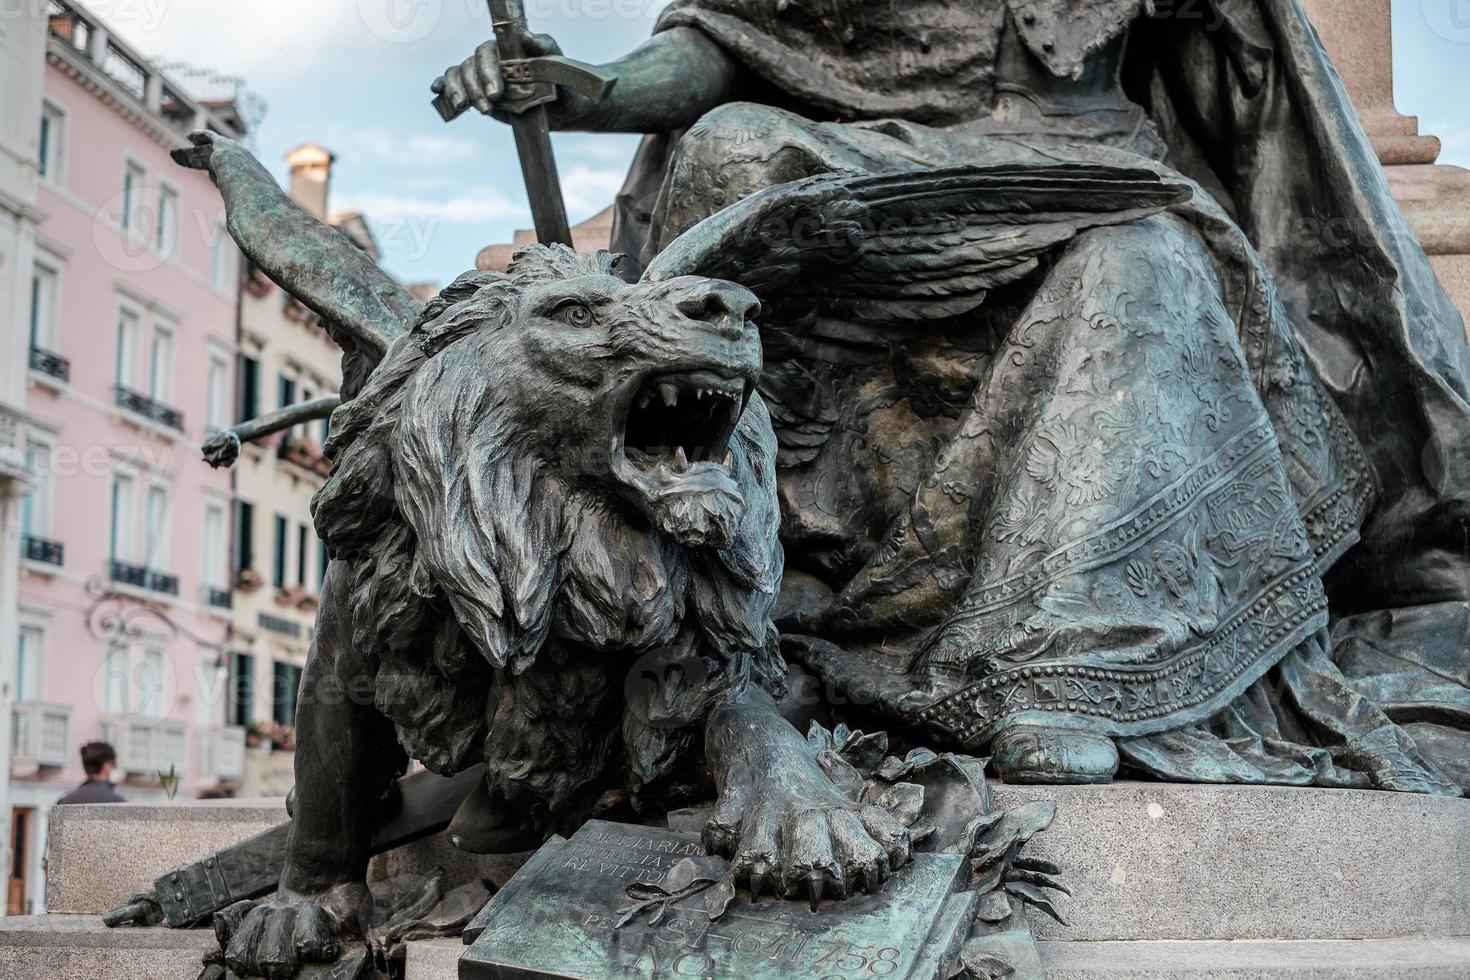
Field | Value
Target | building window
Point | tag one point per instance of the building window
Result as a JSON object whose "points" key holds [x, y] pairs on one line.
{"points": [[241, 690], [128, 326], [244, 535], [302, 554], [115, 680], [249, 388], [166, 234], [217, 411], [132, 198], [285, 683], [149, 676], [225, 265], [212, 571], [157, 529], [124, 511], [43, 306], [278, 572], [35, 507], [52, 149], [28, 664], [286, 392], [161, 364]]}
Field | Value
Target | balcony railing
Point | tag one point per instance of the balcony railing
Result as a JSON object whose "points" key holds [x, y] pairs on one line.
{"points": [[89, 41], [218, 598], [221, 753], [44, 551], [143, 578], [278, 625], [45, 362], [148, 746], [41, 736], [141, 404]]}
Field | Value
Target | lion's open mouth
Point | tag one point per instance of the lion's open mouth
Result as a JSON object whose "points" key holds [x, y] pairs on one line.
{"points": [[683, 419]]}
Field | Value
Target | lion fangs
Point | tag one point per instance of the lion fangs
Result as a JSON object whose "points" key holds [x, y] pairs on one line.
{"points": [[681, 461], [644, 399], [670, 394], [729, 459]]}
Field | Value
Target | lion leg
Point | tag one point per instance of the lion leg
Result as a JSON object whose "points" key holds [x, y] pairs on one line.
{"points": [[347, 754], [785, 824]]}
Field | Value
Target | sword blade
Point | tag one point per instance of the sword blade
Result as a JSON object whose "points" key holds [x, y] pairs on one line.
{"points": [[543, 184]]}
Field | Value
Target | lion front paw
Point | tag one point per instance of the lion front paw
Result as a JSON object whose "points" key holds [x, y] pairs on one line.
{"points": [[812, 843], [276, 939]]}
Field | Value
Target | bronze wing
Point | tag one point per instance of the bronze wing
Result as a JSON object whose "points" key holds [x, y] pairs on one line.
{"points": [[833, 255]]}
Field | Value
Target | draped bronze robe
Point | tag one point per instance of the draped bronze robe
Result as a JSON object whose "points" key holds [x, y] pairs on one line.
{"points": [[1109, 499]]}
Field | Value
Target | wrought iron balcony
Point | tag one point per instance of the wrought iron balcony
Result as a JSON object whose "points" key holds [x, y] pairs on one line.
{"points": [[220, 752], [278, 625], [148, 746], [219, 598], [44, 551], [141, 404], [161, 582], [41, 736], [45, 362], [143, 578]]}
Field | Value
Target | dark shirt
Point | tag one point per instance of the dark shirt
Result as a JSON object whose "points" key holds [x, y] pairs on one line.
{"points": [[93, 791]]}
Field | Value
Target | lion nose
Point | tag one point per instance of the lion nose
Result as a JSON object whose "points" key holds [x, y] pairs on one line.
{"points": [[723, 305]]}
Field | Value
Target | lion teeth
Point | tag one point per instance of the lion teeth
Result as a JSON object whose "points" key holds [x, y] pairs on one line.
{"points": [[681, 461], [670, 394], [729, 459]]}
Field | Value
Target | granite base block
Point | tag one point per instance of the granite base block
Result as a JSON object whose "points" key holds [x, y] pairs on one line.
{"points": [[80, 947]]}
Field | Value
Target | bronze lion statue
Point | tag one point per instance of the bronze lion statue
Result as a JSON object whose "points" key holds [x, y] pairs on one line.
{"points": [[555, 533]]}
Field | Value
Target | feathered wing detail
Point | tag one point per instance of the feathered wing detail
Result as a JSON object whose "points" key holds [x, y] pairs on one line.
{"points": [[920, 245], [831, 256]]}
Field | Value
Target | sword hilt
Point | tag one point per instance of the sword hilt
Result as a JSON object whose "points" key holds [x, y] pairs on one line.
{"points": [[539, 78]]}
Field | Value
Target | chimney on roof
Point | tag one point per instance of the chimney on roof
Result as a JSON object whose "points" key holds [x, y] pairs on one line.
{"points": [[311, 177]]}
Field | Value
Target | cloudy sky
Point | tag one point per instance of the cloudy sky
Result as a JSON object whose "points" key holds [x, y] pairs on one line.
{"points": [[353, 75]]}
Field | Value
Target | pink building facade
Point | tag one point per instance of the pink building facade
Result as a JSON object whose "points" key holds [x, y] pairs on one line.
{"points": [[123, 602]]}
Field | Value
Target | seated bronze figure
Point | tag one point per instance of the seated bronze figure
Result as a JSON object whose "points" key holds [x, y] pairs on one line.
{"points": [[1193, 490]]}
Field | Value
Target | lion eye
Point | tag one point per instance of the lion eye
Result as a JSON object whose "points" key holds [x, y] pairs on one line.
{"points": [[574, 314]]}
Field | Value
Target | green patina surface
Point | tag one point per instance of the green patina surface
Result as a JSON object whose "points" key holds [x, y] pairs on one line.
{"points": [[558, 918]]}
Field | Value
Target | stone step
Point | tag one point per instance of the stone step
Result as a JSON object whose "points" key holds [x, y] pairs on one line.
{"points": [[1338, 959], [99, 856], [80, 947], [1145, 861], [1334, 959]]}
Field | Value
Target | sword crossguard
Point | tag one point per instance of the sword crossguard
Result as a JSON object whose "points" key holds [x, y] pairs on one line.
{"points": [[531, 82]]}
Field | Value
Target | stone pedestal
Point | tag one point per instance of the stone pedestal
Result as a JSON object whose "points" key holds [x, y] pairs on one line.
{"points": [[1169, 882]]}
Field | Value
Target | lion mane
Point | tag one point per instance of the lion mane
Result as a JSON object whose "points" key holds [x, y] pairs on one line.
{"points": [[469, 563]]}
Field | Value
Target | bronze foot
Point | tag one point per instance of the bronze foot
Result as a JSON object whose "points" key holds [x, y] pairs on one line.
{"points": [[1036, 754]]}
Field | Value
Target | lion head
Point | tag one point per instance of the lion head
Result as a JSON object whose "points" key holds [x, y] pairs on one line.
{"points": [[554, 454]]}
